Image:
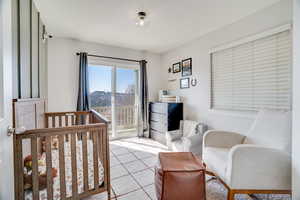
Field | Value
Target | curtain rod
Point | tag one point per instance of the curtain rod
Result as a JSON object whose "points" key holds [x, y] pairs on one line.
{"points": [[115, 58]]}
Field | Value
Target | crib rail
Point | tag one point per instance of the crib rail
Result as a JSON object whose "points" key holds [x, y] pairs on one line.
{"points": [[62, 128], [64, 119]]}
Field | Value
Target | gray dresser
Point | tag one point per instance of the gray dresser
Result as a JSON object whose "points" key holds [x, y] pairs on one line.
{"points": [[164, 117]]}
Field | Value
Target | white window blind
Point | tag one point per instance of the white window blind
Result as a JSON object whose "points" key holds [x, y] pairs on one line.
{"points": [[253, 75]]}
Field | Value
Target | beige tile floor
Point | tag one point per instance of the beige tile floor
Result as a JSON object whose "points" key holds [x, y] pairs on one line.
{"points": [[132, 169], [132, 173]]}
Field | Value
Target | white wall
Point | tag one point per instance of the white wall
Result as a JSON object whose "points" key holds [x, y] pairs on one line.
{"points": [[197, 99], [63, 69], [296, 103]]}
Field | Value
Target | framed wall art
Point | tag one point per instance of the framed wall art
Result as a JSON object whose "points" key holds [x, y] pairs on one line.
{"points": [[177, 67], [184, 83], [186, 67]]}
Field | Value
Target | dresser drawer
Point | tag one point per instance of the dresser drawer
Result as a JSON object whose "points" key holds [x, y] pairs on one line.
{"points": [[158, 117], [164, 117], [158, 136], [159, 107], [159, 126]]}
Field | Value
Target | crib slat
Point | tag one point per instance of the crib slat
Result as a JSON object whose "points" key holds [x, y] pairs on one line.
{"points": [[107, 153], [53, 121], [20, 168], [89, 119], [67, 124], [74, 166], [46, 121], [85, 162], [60, 121], [67, 120], [16, 167], [82, 119], [95, 159], [106, 159], [77, 117], [79, 121], [62, 176], [101, 146], [35, 179], [73, 120], [49, 168]]}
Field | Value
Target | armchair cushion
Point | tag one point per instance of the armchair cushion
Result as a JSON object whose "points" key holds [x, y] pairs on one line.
{"points": [[222, 139], [216, 160], [258, 167], [262, 161], [271, 129], [188, 127]]}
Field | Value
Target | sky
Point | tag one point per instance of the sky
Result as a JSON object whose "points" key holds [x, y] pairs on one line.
{"points": [[100, 78]]}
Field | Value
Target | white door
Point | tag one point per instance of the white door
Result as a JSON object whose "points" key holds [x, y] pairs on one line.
{"points": [[6, 142]]}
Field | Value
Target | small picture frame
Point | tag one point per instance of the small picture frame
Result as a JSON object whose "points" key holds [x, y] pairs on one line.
{"points": [[184, 83], [186, 67], [177, 67]]}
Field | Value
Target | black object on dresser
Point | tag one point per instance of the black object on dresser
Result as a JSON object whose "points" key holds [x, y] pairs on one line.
{"points": [[164, 117]]}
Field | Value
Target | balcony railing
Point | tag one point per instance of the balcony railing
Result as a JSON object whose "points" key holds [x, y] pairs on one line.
{"points": [[126, 117]]}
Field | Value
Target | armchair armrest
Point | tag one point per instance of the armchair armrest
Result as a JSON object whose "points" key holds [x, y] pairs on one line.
{"points": [[257, 167], [193, 143], [173, 135], [222, 139]]}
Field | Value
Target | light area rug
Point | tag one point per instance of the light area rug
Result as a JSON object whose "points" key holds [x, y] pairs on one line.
{"points": [[216, 191]]}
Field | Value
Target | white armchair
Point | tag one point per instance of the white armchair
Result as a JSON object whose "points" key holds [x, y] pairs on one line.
{"points": [[188, 138], [257, 163]]}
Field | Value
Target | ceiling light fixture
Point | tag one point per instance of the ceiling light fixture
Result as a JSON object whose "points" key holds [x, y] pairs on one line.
{"points": [[141, 19]]}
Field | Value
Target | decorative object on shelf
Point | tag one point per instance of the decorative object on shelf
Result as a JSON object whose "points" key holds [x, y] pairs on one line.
{"points": [[184, 83], [162, 93], [169, 70], [170, 99], [186, 67], [193, 82], [177, 67]]}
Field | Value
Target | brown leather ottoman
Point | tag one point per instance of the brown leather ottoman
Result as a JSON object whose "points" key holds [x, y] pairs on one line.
{"points": [[180, 176]]}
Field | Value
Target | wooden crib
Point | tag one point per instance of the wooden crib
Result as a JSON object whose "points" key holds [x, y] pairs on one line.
{"points": [[76, 143]]}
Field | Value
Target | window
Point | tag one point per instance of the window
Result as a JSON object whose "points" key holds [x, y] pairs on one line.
{"points": [[253, 75]]}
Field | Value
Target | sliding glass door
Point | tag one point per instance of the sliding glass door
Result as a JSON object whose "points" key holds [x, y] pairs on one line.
{"points": [[100, 83], [126, 101], [114, 94]]}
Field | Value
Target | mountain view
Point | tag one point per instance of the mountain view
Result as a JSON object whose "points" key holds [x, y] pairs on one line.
{"points": [[103, 99]]}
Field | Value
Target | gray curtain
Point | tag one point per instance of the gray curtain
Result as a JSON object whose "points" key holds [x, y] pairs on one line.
{"points": [[83, 89], [143, 99]]}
